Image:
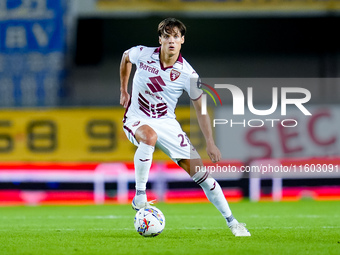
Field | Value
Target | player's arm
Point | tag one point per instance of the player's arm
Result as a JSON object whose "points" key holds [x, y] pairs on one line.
{"points": [[205, 125], [125, 71]]}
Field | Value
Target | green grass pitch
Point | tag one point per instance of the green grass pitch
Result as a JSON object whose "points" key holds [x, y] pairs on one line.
{"points": [[305, 227]]}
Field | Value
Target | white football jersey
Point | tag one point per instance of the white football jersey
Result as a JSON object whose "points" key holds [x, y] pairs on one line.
{"points": [[155, 90]]}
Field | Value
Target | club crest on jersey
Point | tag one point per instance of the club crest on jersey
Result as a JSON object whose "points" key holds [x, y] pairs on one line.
{"points": [[174, 74]]}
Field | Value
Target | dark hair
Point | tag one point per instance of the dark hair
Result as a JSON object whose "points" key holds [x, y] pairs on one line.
{"points": [[166, 26]]}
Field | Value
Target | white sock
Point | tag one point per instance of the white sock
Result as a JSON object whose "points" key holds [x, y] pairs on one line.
{"points": [[215, 195], [142, 162]]}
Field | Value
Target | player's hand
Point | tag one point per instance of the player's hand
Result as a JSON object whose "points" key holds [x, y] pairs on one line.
{"points": [[124, 99], [214, 153]]}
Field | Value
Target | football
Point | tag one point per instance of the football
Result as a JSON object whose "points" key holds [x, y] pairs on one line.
{"points": [[149, 221]]}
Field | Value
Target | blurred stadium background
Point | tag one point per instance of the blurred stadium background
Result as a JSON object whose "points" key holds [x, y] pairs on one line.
{"points": [[61, 140]]}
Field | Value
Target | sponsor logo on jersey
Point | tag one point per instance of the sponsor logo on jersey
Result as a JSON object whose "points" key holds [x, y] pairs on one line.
{"points": [[156, 84], [153, 95], [151, 62], [174, 74], [148, 68]]}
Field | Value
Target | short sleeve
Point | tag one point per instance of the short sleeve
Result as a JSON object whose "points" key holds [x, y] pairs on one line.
{"points": [[193, 87], [134, 53]]}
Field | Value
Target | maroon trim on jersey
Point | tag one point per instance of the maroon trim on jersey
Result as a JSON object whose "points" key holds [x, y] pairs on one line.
{"points": [[161, 107], [179, 60], [157, 50], [146, 113], [146, 102], [162, 114], [129, 130], [143, 103], [152, 110], [197, 98]]}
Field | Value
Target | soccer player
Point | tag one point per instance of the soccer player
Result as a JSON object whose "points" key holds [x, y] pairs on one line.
{"points": [[161, 76]]}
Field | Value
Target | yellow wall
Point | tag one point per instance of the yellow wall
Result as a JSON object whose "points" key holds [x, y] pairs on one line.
{"points": [[94, 134]]}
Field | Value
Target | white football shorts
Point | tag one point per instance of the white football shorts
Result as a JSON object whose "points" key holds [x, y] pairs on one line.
{"points": [[171, 139]]}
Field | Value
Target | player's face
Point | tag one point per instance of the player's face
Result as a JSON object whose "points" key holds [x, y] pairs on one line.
{"points": [[171, 43]]}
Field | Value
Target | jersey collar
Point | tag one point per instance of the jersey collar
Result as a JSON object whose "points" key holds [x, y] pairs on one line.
{"points": [[178, 64]]}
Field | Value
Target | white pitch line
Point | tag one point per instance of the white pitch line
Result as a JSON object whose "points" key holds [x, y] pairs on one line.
{"points": [[312, 216], [298, 227], [170, 229], [66, 217]]}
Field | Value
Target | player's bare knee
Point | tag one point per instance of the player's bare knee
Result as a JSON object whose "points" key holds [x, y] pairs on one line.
{"points": [[147, 135], [150, 139]]}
